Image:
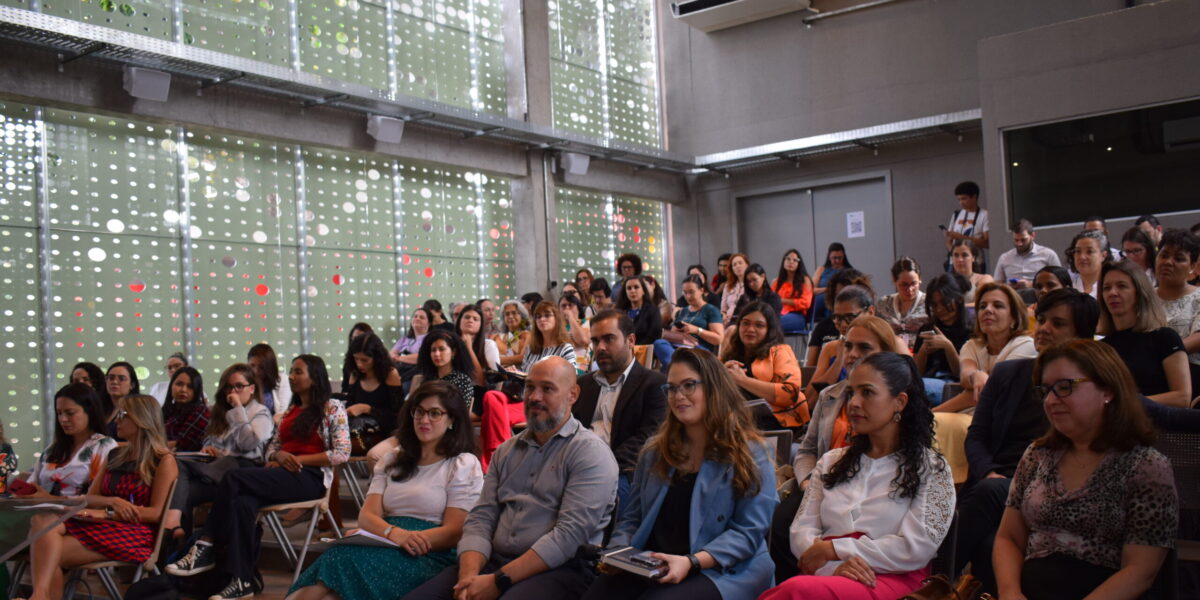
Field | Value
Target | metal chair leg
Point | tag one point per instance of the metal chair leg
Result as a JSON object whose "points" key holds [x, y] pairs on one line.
{"points": [[106, 577], [336, 530], [312, 526], [14, 587], [280, 534]]}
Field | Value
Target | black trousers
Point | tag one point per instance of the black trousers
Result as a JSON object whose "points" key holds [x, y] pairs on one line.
{"points": [[780, 545], [570, 580], [979, 514], [194, 488], [1061, 577], [242, 492], [629, 587]]}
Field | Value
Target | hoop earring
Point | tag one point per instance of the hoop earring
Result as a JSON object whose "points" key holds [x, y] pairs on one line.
{"points": [[896, 417]]}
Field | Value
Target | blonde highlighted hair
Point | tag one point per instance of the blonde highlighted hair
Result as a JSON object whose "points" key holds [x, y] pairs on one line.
{"points": [[149, 445]]}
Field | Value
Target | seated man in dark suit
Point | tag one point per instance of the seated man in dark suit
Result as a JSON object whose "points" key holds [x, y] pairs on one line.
{"points": [[1007, 419], [622, 402]]}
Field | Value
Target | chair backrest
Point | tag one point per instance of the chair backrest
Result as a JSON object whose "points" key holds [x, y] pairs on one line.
{"points": [[782, 438], [643, 355], [162, 529], [1183, 449], [806, 373]]}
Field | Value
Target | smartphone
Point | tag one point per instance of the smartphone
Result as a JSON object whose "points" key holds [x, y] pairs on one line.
{"points": [[927, 334], [645, 560], [678, 324], [942, 227]]}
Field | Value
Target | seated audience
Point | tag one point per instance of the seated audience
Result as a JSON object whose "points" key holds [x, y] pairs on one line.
{"points": [[124, 504], [374, 388], [622, 402], [121, 381], [1007, 419], [850, 303], [733, 287], [682, 510], [455, 310], [835, 262], [573, 311], [828, 429], [601, 295], [1133, 322], [1178, 257], [795, 290], [550, 489], [697, 323], [1000, 334], [710, 297], [756, 289], [764, 366], [963, 257], [444, 357], [1018, 266], [826, 330], [406, 348], [162, 390], [1096, 223], [949, 328], [93, 376], [419, 497], [1086, 255], [1092, 509], [237, 437], [658, 298], [647, 318], [514, 332], [482, 352], [313, 439], [629, 265], [8, 463], [356, 331], [185, 414], [583, 282], [1153, 228], [437, 317], [1049, 279], [488, 309], [1137, 247], [275, 390], [905, 309], [877, 509], [549, 337], [76, 455], [722, 275]]}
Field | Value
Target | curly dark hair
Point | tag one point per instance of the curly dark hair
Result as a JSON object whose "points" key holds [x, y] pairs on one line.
{"points": [[774, 336], [458, 439], [370, 345], [460, 362], [916, 427]]}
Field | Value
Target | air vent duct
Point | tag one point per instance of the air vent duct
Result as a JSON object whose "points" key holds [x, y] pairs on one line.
{"points": [[714, 15]]}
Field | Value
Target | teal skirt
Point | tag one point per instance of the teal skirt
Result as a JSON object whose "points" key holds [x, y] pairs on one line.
{"points": [[370, 573]]}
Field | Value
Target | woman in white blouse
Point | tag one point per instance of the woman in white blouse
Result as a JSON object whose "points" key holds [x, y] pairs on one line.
{"points": [[1001, 323], [549, 337], [877, 509], [418, 499]]}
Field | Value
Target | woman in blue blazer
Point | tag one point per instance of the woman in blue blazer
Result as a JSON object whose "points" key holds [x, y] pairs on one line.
{"points": [[702, 496]]}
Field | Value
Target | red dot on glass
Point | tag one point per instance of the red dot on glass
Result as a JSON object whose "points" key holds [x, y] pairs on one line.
{"points": [[429, 271], [139, 329], [80, 344], [637, 229], [79, 314], [338, 279], [637, 239], [137, 299], [621, 237], [79, 329], [494, 233], [406, 259], [262, 289]]}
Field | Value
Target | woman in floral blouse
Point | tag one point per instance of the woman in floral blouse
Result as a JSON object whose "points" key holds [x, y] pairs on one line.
{"points": [[80, 445], [1092, 510]]}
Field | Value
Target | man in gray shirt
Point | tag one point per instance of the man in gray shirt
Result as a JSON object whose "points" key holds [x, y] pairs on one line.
{"points": [[1025, 259], [547, 491]]}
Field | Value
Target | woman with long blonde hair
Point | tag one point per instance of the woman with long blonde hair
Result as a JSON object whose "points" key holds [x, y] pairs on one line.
{"points": [[707, 461], [123, 504]]}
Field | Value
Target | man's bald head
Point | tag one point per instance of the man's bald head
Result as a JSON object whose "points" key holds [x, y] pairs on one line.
{"points": [[550, 391]]}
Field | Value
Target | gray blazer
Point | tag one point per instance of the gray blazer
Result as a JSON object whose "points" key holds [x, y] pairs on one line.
{"points": [[818, 438]]}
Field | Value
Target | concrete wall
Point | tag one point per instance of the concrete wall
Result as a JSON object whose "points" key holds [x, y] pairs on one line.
{"points": [[1105, 63], [922, 173], [777, 79]]}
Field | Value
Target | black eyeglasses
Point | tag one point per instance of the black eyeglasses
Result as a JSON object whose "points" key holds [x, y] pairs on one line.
{"points": [[237, 387], [434, 414], [1061, 388], [685, 387], [847, 318]]}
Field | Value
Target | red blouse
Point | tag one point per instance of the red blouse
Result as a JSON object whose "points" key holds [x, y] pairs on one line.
{"points": [[299, 446]]}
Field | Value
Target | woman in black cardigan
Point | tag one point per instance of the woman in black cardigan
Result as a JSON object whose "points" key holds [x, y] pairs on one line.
{"points": [[647, 321]]}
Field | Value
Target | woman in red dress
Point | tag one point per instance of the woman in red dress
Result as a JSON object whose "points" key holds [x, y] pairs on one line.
{"points": [[123, 504]]}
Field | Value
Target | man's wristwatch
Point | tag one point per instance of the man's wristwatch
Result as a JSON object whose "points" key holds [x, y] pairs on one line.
{"points": [[695, 564], [108, 512], [503, 582]]}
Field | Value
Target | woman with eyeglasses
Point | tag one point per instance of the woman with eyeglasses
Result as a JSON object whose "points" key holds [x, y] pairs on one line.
{"points": [[1137, 247], [121, 381], [703, 493], [583, 282], [236, 437], [877, 509], [1086, 255], [764, 366], [314, 437], [905, 309], [185, 413], [418, 500], [80, 446], [647, 318], [124, 504], [1133, 322], [1092, 510], [826, 330]]}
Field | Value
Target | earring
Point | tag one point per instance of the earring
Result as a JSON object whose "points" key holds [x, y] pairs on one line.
{"points": [[896, 417], [451, 427]]}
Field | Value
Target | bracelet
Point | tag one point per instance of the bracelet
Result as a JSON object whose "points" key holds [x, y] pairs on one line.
{"points": [[695, 561], [388, 531]]}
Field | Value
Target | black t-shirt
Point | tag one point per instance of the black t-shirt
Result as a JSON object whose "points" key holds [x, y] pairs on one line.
{"points": [[825, 331], [672, 526], [958, 334], [1028, 423], [1144, 354]]}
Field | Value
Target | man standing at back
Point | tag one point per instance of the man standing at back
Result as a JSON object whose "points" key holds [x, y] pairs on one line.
{"points": [[969, 222], [1017, 267], [547, 491], [622, 402]]}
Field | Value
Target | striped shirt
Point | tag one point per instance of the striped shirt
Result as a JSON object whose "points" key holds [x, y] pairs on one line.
{"points": [[566, 351]]}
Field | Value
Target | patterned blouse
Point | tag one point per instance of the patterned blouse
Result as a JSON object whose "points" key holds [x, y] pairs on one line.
{"points": [[1129, 499], [73, 477], [334, 432], [185, 425], [8, 465], [1183, 315]]}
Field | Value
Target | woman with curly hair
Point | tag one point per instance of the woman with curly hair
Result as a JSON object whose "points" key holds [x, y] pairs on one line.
{"points": [[702, 495], [878, 508]]}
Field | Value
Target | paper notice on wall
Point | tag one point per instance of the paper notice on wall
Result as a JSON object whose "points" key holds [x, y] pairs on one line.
{"points": [[855, 225]]}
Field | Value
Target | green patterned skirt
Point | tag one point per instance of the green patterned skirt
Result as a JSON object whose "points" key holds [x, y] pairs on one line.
{"points": [[370, 573]]}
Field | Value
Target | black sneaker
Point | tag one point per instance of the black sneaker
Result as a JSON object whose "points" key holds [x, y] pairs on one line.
{"points": [[237, 588], [198, 560]]}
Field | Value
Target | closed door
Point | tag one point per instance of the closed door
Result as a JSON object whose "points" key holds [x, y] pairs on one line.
{"points": [[771, 224]]}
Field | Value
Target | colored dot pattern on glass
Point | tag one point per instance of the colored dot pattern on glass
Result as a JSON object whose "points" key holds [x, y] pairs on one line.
{"points": [[594, 229]]}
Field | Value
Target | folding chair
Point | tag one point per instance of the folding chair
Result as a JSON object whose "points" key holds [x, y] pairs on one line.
{"points": [[319, 507], [349, 472], [103, 568]]}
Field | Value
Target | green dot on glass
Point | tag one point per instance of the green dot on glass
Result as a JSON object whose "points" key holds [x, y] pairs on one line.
{"points": [[316, 43], [188, 39], [342, 37], [314, 30], [266, 4], [127, 10], [107, 5]]}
